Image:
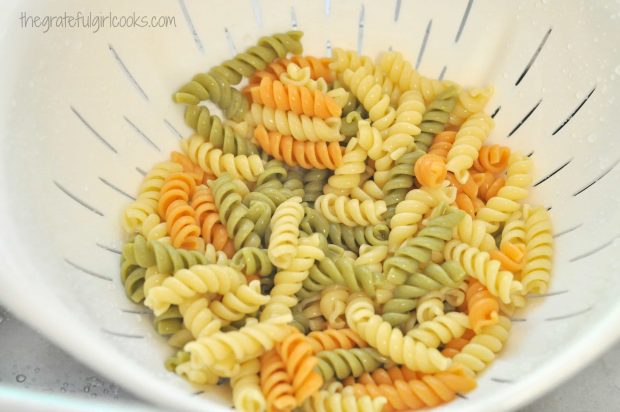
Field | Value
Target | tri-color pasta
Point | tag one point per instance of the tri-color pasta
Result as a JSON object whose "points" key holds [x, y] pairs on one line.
{"points": [[341, 240]]}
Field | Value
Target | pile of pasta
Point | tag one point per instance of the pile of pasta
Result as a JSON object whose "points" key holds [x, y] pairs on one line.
{"points": [[342, 239]]}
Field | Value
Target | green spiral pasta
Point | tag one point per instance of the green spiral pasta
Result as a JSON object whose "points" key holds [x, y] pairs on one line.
{"points": [[222, 136], [341, 271], [348, 237], [253, 261], [418, 250], [175, 360], [342, 363], [400, 181], [436, 117], [294, 182], [132, 277], [275, 171], [165, 257], [257, 57], [233, 212], [314, 180], [216, 85], [397, 310], [169, 322]]}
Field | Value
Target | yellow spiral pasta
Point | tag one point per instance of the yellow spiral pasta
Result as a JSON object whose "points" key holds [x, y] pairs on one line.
{"points": [[440, 330], [245, 300], [538, 250], [507, 201], [469, 102], [298, 76], [332, 305], [223, 351], [478, 264], [214, 161], [348, 59], [467, 143], [285, 232], [390, 342], [301, 127], [365, 87], [343, 401], [148, 195], [187, 283], [481, 349], [246, 392], [399, 137], [351, 212], [405, 76], [198, 318], [409, 213], [347, 176], [474, 233], [288, 282]]}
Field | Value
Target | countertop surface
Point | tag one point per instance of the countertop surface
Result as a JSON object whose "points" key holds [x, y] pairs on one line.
{"points": [[30, 362]]}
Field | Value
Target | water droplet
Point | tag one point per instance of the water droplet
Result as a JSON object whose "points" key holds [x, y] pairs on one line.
{"points": [[87, 388], [64, 385], [63, 389], [591, 138], [20, 378], [37, 370], [617, 70]]}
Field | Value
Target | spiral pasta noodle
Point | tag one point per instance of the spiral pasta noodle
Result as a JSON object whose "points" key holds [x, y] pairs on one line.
{"points": [[467, 143], [297, 99], [428, 390], [246, 390], [341, 363], [332, 305], [160, 255], [208, 218], [300, 363], [221, 136], [539, 249], [351, 212], [469, 102], [348, 175], [330, 339], [345, 401], [507, 201], [285, 233], [478, 264], [493, 159], [319, 68], [390, 342], [482, 307], [301, 127], [308, 155], [341, 271], [430, 170], [436, 118], [369, 92], [276, 383], [402, 73]]}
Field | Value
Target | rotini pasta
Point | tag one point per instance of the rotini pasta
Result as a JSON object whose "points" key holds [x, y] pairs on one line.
{"points": [[341, 238]]}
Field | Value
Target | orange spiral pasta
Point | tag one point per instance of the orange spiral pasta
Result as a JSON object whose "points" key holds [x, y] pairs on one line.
{"points": [[178, 186], [298, 99], [384, 376], [455, 345], [191, 168], [429, 390], [510, 256], [492, 159], [442, 144], [466, 195], [208, 219], [309, 155], [330, 339], [182, 226], [482, 307], [488, 185], [275, 383], [430, 170], [299, 359]]}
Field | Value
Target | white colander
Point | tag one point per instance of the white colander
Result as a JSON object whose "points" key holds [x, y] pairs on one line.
{"points": [[83, 115]]}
